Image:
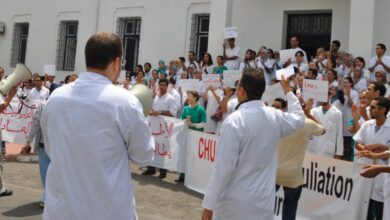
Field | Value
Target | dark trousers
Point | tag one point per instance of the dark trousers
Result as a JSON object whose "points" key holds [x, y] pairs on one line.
{"points": [[290, 202], [162, 171], [375, 210], [348, 149]]}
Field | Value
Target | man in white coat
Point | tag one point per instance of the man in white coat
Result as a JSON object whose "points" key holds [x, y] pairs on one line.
{"points": [[91, 129], [242, 184]]}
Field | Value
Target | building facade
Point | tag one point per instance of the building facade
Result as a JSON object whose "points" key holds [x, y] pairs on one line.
{"points": [[43, 32]]}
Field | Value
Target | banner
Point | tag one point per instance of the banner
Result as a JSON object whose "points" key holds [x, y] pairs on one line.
{"points": [[230, 32], [201, 150], [333, 189], [188, 84], [211, 80], [16, 120], [170, 136], [230, 77]]}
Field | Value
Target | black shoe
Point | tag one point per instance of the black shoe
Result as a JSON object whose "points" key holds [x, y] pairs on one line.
{"points": [[148, 172], [162, 175], [180, 179], [6, 192]]}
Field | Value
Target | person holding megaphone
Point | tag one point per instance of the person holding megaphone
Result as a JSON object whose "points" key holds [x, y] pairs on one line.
{"points": [[8, 88]]}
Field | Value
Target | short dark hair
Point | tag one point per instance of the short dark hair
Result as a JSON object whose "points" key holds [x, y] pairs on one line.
{"points": [[163, 80], [337, 43], [194, 93], [295, 37], [283, 102], [300, 53], [253, 82], [147, 63], [182, 59], [172, 80], [315, 72], [140, 67], [379, 86], [101, 49], [384, 103], [361, 59], [192, 52], [382, 46]]}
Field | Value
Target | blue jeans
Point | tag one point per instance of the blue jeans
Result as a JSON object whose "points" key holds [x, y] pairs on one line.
{"points": [[44, 162], [290, 202]]}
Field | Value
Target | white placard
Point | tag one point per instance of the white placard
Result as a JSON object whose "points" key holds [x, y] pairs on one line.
{"points": [[49, 70], [170, 138], [273, 92], [122, 77], [315, 89], [211, 80], [287, 72], [230, 77], [188, 84], [230, 32]]}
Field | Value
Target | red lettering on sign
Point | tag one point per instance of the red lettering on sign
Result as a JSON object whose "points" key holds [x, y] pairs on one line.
{"points": [[206, 149]]}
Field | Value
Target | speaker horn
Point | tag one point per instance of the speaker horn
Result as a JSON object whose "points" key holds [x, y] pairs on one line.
{"points": [[20, 74], [144, 96]]}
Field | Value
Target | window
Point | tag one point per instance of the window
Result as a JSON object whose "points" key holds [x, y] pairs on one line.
{"points": [[200, 34], [66, 46], [19, 43], [128, 29]]}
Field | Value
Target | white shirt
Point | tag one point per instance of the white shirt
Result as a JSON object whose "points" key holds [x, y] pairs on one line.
{"points": [[343, 71], [212, 105], [331, 143], [91, 129], [250, 64], [385, 60], [242, 183], [367, 135], [303, 67], [43, 94], [346, 111], [232, 64], [165, 102], [177, 97], [231, 107], [360, 85]]}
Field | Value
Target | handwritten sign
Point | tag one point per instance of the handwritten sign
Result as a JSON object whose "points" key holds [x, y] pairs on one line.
{"points": [[49, 70], [170, 136], [16, 120], [230, 32], [315, 89], [212, 80], [188, 84], [273, 92], [230, 77], [287, 72]]}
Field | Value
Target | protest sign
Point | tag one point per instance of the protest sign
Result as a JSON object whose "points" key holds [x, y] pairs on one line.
{"points": [[315, 89], [230, 77], [188, 84], [230, 32], [286, 72], [170, 137], [201, 150], [16, 120], [211, 80], [288, 54], [273, 92], [49, 70]]}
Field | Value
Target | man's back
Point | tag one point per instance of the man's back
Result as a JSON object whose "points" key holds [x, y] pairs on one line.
{"points": [[89, 133]]}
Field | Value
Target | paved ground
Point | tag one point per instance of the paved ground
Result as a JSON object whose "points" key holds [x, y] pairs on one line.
{"points": [[156, 199]]}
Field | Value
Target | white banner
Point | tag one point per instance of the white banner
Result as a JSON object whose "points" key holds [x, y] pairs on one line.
{"points": [[333, 189], [201, 150], [230, 77], [170, 136], [211, 80], [16, 120], [230, 32], [188, 84]]}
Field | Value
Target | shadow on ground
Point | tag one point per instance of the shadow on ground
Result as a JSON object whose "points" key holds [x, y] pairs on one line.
{"points": [[25, 210]]}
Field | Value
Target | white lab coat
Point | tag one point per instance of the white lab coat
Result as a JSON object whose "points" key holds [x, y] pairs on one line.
{"points": [[242, 184], [232, 64], [367, 135], [91, 129], [41, 95], [331, 143]]}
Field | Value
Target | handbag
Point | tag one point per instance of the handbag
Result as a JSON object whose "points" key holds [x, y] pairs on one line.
{"points": [[217, 116]]}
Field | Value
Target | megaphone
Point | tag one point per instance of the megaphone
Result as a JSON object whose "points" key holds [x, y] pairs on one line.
{"points": [[144, 96], [20, 74]]}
